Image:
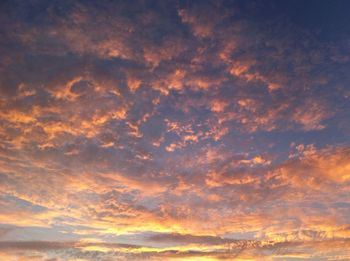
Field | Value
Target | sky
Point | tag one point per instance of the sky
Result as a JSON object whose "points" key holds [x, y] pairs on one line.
{"points": [[174, 130]]}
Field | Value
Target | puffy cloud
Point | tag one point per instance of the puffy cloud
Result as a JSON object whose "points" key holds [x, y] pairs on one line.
{"points": [[179, 130], [318, 167]]}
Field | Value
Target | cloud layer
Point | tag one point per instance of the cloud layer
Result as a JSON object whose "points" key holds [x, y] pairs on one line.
{"points": [[151, 130]]}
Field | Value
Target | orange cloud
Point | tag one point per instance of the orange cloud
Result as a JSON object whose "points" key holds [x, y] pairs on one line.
{"points": [[188, 131]]}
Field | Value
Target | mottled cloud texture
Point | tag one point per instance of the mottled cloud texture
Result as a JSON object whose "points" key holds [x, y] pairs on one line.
{"points": [[174, 130]]}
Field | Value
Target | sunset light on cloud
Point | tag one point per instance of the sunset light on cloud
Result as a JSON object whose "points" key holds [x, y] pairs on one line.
{"points": [[174, 130]]}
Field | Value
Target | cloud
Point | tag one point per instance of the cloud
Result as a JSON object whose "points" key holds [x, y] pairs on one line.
{"points": [[318, 168], [178, 130], [189, 239], [243, 249]]}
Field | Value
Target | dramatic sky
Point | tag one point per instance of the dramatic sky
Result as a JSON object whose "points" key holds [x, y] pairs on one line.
{"points": [[174, 130]]}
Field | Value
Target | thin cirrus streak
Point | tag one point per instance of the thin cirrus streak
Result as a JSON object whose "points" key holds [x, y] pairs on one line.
{"points": [[174, 130]]}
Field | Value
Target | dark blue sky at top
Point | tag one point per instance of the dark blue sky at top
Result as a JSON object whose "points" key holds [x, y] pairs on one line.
{"points": [[328, 17], [314, 22]]}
